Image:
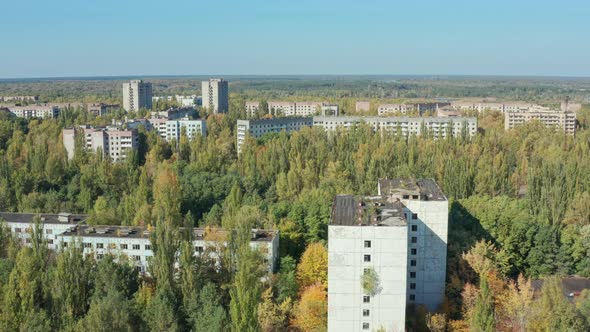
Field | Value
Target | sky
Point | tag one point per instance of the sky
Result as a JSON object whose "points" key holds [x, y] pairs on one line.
{"points": [[71, 38]]}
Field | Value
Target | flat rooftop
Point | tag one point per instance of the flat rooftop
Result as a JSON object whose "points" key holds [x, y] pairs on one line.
{"points": [[349, 210], [46, 218], [426, 189]]}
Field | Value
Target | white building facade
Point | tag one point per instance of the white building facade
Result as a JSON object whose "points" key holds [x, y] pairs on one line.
{"points": [[113, 142], [257, 128], [35, 111]]}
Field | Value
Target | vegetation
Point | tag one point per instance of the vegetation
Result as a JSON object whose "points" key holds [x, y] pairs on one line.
{"points": [[518, 198]]}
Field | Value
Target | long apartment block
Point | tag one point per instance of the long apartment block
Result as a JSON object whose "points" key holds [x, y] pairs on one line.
{"points": [[292, 108], [35, 111], [399, 237], [64, 229], [565, 121], [173, 129], [257, 128]]}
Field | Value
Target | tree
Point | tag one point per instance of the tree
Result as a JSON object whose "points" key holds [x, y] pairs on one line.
{"points": [[313, 267], [287, 286], [245, 292], [209, 315], [311, 314], [112, 312], [554, 312], [273, 317], [482, 319]]}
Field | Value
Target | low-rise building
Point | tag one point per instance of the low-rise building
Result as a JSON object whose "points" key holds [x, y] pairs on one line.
{"points": [[64, 229], [174, 113], [385, 109], [35, 111], [362, 106], [299, 108], [257, 128], [557, 119], [406, 126], [113, 142], [102, 109], [19, 98]]}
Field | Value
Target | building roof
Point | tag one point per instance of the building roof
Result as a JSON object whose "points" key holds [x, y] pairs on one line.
{"points": [[349, 210], [427, 189], [46, 218]]}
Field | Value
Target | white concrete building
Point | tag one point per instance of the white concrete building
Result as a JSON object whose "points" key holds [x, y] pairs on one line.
{"points": [[112, 142], [133, 243], [362, 106], [174, 128], [35, 111], [257, 128], [492, 106], [566, 121], [406, 126], [385, 109], [366, 235], [401, 235], [137, 94], [252, 107], [215, 95]]}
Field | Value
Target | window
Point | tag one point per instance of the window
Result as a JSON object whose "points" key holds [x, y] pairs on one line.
{"points": [[99, 245], [414, 216], [65, 245], [414, 228], [87, 245], [99, 256], [365, 326], [17, 230], [137, 258], [414, 239], [412, 297], [413, 251], [148, 247], [413, 275], [366, 312], [366, 299], [199, 249], [406, 196], [136, 247], [412, 285], [49, 231], [413, 262], [138, 268], [124, 246], [367, 258], [50, 241], [414, 196], [367, 244]]}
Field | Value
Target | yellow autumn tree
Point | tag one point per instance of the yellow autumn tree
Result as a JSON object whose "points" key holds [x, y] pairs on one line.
{"points": [[313, 267], [311, 313]]}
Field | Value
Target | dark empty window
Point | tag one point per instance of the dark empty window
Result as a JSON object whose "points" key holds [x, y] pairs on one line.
{"points": [[414, 216], [413, 251], [366, 299], [412, 297], [365, 326], [414, 196], [414, 228], [367, 258], [412, 286], [367, 244], [406, 196], [99, 245], [124, 246], [412, 275], [366, 313], [413, 262], [414, 239]]}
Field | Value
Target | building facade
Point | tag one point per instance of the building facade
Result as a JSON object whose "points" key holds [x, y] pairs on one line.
{"points": [[257, 128], [35, 111], [113, 142], [127, 242], [299, 108], [438, 127], [136, 95], [566, 121], [362, 106], [385, 109], [215, 95], [174, 129], [400, 236]]}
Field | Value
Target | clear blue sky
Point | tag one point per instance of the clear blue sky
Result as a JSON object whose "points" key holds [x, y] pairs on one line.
{"points": [[57, 38]]}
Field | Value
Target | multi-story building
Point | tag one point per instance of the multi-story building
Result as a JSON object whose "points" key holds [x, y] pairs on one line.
{"points": [[112, 142], [257, 128], [136, 95], [19, 98], [286, 108], [215, 95], [385, 109], [406, 126], [174, 128], [397, 241], [362, 106], [557, 119], [174, 113], [35, 111], [133, 243], [491, 106], [299, 108], [252, 107]]}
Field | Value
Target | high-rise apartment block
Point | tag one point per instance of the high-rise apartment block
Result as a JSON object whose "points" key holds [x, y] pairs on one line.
{"points": [[172, 129], [133, 243], [136, 95], [398, 240], [257, 128], [215, 95], [113, 142]]}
